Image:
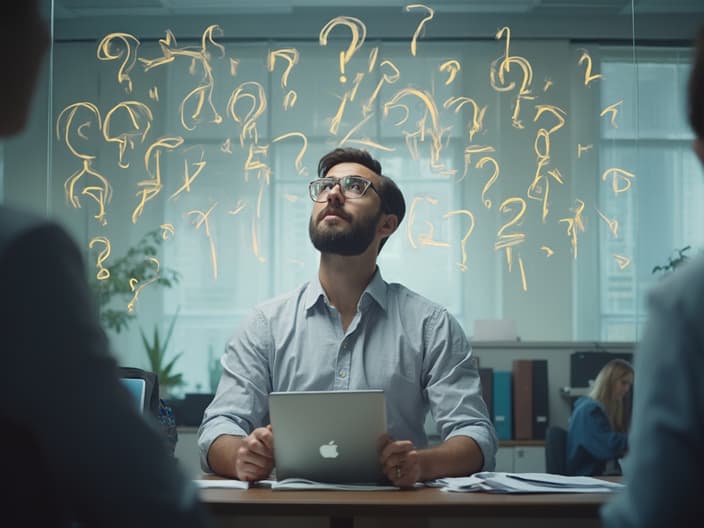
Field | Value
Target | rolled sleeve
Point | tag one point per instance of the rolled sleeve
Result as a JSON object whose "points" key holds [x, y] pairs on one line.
{"points": [[241, 401], [453, 387]]}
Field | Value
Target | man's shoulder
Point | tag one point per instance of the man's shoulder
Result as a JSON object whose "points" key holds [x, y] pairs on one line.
{"points": [[405, 297], [284, 302]]}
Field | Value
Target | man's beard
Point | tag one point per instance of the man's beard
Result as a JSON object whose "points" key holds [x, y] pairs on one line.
{"points": [[354, 241]]}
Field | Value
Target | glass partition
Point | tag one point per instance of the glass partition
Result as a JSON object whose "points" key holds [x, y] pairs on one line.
{"points": [[542, 149]]}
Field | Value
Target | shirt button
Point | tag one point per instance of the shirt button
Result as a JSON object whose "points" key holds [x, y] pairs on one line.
{"points": [[342, 373]]}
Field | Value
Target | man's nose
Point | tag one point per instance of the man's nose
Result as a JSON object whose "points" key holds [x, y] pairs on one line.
{"points": [[335, 195]]}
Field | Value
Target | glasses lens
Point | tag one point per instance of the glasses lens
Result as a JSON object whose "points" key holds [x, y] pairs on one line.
{"points": [[318, 189], [353, 186]]}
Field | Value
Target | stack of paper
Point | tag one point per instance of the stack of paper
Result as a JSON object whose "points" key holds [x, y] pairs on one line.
{"points": [[497, 482], [221, 483], [305, 484]]}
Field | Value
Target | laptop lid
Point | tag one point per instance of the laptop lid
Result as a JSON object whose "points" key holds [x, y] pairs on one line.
{"points": [[328, 436], [137, 388]]}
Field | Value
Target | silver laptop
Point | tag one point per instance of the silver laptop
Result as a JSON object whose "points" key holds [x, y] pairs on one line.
{"points": [[328, 436]]}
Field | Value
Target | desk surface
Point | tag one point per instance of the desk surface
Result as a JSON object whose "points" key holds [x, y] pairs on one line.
{"points": [[426, 502]]}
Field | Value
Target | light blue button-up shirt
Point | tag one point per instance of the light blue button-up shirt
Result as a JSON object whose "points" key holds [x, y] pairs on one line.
{"points": [[398, 341]]}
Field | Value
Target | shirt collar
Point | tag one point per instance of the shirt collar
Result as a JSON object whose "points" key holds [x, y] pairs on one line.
{"points": [[376, 290]]}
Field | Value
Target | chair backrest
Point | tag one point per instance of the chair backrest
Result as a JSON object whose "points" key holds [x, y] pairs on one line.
{"points": [[151, 396], [556, 450]]}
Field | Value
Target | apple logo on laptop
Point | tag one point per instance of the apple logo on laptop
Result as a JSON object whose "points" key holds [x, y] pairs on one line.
{"points": [[329, 450]]}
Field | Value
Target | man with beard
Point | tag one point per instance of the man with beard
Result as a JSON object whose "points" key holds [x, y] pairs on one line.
{"points": [[351, 330]]}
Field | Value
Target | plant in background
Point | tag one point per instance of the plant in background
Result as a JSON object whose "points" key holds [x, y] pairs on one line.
{"points": [[673, 261], [156, 353], [214, 370], [135, 264]]}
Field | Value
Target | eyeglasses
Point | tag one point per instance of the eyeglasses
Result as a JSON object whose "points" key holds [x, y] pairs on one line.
{"points": [[351, 187]]}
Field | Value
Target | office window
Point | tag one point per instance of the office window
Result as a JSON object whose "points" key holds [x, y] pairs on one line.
{"points": [[663, 214]]}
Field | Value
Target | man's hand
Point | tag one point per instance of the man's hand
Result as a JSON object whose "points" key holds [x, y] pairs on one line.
{"points": [[400, 462], [255, 456]]}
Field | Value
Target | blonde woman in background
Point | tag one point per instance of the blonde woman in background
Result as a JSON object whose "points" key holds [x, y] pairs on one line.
{"points": [[597, 432]]}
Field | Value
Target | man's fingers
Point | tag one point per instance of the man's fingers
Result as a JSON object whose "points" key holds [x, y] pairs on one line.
{"points": [[265, 436], [260, 449], [398, 448], [252, 472]]}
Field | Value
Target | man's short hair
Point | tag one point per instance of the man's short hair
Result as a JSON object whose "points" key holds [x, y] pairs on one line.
{"points": [[696, 88], [392, 201]]}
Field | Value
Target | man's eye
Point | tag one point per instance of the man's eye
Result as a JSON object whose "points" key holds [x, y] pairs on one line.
{"points": [[326, 186], [355, 186]]}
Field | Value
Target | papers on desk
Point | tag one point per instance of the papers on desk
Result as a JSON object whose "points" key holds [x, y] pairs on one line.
{"points": [[301, 484], [221, 484], [497, 482]]}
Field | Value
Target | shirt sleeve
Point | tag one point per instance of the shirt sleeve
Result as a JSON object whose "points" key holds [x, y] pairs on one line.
{"points": [[453, 387], [662, 471], [62, 385], [240, 404]]}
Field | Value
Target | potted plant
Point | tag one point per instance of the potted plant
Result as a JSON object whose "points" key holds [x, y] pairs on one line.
{"points": [[156, 350]]}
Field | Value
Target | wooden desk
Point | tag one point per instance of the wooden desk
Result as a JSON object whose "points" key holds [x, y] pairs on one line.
{"points": [[341, 507]]}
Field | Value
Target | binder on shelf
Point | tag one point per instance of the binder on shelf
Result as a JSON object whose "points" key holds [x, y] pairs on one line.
{"points": [[522, 370], [486, 377], [502, 405], [540, 399]]}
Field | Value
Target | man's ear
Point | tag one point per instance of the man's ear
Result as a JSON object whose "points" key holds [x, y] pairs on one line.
{"points": [[699, 148], [388, 225]]}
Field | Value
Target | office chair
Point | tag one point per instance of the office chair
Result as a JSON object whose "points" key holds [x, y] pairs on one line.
{"points": [[556, 450]]}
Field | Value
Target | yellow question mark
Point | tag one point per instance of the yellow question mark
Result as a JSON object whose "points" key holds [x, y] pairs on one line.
{"points": [[291, 56], [463, 265], [428, 18], [299, 159], [131, 44], [492, 178], [359, 33], [103, 272]]}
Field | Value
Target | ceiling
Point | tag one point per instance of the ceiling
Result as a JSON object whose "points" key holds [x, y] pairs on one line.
{"points": [[95, 8], [662, 21]]}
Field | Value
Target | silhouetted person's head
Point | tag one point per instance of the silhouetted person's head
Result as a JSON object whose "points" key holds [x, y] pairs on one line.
{"points": [[24, 38]]}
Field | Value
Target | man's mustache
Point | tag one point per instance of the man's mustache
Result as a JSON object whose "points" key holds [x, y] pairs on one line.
{"points": [[336, 211]]}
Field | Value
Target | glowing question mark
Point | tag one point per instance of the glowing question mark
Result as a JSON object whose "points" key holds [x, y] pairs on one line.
{"points": [[103, 272], [299, 159], [136, 112], [623, 174], [167, 231], [452, 67], [427, 19], [131, 44], [477, 115], [588, 76], [291, 56], [259, 104], [463, 265], [492, 178], [137, 290], [359, 33]]}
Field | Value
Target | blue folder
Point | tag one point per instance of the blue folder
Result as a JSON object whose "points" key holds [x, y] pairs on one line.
{"points": [[503, 411]]}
